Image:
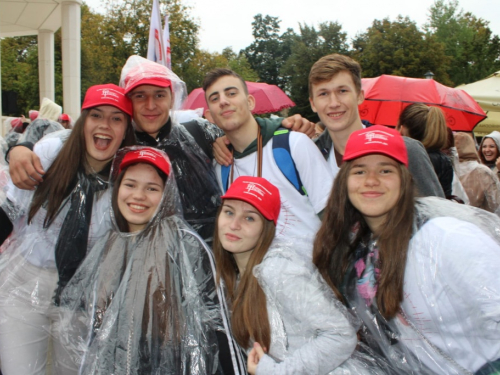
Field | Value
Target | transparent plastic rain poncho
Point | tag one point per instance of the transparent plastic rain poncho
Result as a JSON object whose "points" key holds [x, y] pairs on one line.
{"points": [[29, 275], [145, 302], [195, 176], [38, 129], [449, 322], [311, 330], [138, 68], [479, 181]]}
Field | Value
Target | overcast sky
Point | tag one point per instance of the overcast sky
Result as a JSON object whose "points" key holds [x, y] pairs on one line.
{"points": [[226, 23]]}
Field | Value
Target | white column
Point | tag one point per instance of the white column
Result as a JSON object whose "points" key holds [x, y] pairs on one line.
{"points": [[71, 35], [46, 64]]}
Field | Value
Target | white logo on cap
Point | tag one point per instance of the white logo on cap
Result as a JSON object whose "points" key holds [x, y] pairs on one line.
{"points": [[147, 155], [257, 190], [377, 136], [110, 94]]}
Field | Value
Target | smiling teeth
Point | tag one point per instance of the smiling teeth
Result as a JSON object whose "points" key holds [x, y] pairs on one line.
{"points": [[102, 136], [335, 114], [136, 207]]}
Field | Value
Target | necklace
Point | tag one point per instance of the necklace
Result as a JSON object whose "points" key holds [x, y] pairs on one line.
{"points": [[259, 158]]}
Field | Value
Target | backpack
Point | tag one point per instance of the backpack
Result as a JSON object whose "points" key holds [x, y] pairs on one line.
{"points": [[282, 157]]}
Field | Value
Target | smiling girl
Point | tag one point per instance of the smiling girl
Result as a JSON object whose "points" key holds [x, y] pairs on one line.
{"points": [[422, 274], [283, 313], [147, 288], [53, 227]]}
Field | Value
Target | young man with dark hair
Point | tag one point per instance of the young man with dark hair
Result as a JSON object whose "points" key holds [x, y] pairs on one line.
{"points": [[254, 142]]}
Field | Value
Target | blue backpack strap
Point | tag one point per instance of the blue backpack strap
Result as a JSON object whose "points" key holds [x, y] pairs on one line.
{"points": [[283, 158], [224, 171]]}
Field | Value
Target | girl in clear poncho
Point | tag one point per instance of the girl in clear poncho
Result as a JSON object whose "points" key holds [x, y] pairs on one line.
{"points": [[147, 297], [53, 227], [422, 274], [283, 313]]}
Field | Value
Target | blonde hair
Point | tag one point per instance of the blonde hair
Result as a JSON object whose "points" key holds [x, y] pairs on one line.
{"points": [[425, 124]]}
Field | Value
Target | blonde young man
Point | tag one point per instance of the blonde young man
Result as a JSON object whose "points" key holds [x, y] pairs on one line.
{"points": [[335, 93]]}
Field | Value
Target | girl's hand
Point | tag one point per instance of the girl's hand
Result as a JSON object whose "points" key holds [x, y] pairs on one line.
{"points": [[254, 357]]}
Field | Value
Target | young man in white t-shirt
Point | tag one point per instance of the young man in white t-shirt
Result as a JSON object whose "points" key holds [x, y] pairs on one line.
{"points": [[231, 107]]}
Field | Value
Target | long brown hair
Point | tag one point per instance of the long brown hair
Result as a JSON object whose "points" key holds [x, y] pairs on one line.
{"points": [[120, 220], [249, 319], [334, 249], [425, 124], [60, 178]]}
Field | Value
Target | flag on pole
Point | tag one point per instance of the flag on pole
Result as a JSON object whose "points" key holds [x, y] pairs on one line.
{"points": [[155, 43], [166, 44]]}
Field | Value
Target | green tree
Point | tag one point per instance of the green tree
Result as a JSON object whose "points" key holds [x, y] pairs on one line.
{"points": [[306, 48], [400, 48], [205, 61], [268, 53], [20, 71], [468, 41]]}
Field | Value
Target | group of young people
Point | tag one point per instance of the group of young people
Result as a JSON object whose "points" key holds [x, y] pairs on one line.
{"points": [[321, 258]]}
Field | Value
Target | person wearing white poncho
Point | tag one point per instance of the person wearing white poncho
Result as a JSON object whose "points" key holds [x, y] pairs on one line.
{"points": [[422, 274], [147, 297], [283, 313]]}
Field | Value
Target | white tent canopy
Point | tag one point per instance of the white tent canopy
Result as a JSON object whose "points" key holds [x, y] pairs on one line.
{"points": [[487, 93]]}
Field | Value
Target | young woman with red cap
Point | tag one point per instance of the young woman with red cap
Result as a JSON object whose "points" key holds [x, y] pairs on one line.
{"points": [[422, 274], [283, 313], [144, 300], [53, 227]]}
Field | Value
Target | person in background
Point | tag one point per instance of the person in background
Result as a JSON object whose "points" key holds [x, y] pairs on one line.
{"points": [[489, 150], [422, 274], [65, 121], [480, 183], [428, 125]]}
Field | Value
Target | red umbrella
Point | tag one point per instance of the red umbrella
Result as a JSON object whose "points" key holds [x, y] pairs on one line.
{"points": [[268, 98], [386, 97]]}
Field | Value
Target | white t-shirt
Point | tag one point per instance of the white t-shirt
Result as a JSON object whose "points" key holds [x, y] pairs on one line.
{"points": [[37, 244], [298, 216], [452, 295]]}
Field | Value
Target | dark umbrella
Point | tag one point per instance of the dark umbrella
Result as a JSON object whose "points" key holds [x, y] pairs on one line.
{"points": [[386, 97], [268, 98]]}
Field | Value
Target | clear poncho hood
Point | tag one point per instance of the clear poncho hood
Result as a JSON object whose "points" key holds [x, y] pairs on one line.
{"points": [[145, 302]]}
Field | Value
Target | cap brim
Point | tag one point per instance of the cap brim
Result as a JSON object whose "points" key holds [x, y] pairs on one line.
{"points": [[361, 153], [266, 214], [149, 81]]}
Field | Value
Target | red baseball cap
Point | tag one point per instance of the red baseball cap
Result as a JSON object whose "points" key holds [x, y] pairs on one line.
{"points": [[258, 192], [108, 94], [376, 139], [147, 155], [64, 117], [33, 114], [146, 72]]}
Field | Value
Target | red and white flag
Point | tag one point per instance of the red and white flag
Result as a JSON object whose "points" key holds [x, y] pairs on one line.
{"points": [[166, 44], [155, 43]]}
